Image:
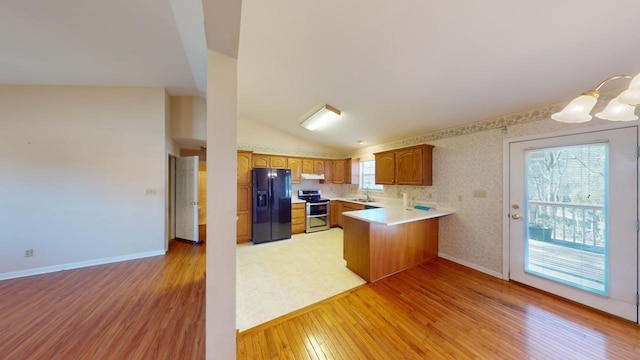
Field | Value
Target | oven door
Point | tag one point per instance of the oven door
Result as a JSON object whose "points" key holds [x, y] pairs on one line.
{"points": [[318, 208], [317, 217]]}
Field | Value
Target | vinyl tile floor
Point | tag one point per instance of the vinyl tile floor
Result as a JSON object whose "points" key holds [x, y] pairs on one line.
{"points": [[276, 278]]}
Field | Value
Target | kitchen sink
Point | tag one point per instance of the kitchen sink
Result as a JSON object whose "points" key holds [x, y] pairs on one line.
{"points": [[364, 200]]}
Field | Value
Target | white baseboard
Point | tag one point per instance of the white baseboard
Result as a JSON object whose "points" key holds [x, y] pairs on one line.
{"points": [[77, 265], [471, 265]]}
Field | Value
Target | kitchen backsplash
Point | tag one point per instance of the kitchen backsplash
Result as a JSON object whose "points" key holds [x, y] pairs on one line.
{"points": [[419, 193]]}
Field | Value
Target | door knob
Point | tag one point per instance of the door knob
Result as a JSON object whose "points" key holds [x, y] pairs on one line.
{"points": [[516, 216]]}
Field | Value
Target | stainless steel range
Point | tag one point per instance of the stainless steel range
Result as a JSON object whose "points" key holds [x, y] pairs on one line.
{"points": [[317, 218]]}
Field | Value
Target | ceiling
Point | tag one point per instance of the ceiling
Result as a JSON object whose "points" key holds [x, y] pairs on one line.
{"points": [[395, 69]]}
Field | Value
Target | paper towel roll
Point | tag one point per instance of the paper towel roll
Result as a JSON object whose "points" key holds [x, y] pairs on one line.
{"points": [[405, 203]]}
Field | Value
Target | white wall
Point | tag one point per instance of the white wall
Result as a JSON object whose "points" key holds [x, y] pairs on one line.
{"points": [[189, 118], [76, 162], [222, 117]]}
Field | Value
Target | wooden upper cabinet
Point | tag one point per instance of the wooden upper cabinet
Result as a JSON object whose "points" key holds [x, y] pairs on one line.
{"points": [[307, 166], [409, 167], [328, 171], [278, 162], [244, 167], [406, 166], [345, 171], [269, 161], [313, 166], [385, 168], [260, 161], [338, 173], [295, 164]]}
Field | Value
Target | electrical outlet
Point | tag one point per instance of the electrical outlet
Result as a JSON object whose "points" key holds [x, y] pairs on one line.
{"points": [[151, 192], [28, 253], [479, 194], [459, 197]]}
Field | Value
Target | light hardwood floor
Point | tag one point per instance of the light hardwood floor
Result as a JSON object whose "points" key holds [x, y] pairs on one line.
{"points": [[154, 309], [151, 308], [442, 310]]}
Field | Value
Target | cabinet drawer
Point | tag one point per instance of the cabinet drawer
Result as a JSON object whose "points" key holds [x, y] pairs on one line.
{"points": [[298, 213], [297, 228], [297, 221]]}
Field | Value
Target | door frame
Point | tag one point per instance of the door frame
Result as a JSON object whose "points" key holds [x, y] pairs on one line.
{"points": [[171, 200], [505, 179]]}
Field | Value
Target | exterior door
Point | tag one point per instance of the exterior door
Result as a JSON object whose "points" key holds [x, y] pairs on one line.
{"points": [[187, 198], [573, 216]]}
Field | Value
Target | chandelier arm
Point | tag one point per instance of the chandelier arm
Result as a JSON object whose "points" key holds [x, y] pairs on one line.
{"points": [[611, 78]]}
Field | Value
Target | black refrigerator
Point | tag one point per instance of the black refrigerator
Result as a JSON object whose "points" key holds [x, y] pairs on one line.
{"points": [[271, 205]]}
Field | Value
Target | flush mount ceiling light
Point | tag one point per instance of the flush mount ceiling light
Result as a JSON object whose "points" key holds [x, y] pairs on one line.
{"points": [[323, 116], [621, 108]]}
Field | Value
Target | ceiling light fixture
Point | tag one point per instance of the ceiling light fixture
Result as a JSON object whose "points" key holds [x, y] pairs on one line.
{"points": [[621, 108], [323, 116]]}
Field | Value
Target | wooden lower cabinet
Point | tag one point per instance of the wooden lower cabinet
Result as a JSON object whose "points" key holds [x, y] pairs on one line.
{"points": [[298, 217], [243, 224], [375, 251], [347, 206], [335, 212]]}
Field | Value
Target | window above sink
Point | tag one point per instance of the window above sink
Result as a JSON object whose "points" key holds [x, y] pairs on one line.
{"points": [[368, 176]]}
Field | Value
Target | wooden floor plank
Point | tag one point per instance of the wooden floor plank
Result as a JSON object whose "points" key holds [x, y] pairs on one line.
{"points": [[446, 311]]}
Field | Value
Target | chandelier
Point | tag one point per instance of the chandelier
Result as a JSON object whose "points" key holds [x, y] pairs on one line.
{"points": [[621, 108]]}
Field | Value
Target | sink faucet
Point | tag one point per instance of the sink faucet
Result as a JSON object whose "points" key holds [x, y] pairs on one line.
{"points": [[366, 191]]}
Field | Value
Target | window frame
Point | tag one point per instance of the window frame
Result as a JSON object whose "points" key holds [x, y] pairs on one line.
{"points": [[369, 174]]}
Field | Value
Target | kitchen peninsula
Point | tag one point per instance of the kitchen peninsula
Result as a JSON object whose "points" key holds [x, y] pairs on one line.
{"points": [[380, 242]]}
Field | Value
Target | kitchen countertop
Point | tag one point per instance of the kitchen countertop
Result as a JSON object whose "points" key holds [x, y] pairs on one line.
{"points": [[391, 212], [297, 201], [394, 215]]}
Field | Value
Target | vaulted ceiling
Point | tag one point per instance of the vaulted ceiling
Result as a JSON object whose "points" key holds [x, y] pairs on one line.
{"points": [[395, 69]]}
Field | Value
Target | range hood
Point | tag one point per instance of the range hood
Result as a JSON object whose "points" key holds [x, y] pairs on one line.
{"points": [[312, 176]]}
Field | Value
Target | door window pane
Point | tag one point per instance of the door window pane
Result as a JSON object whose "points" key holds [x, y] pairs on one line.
{"points": [[566, 215]]}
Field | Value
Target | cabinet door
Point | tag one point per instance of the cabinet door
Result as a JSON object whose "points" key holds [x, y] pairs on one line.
{"points": [[409, 167], [347, 206], [295, 164], [307, 166], [243, 224], [339, 213], [298, 218], [318, 166], [334, 214], [338, 175], [260, 160], [328, 171], [244, 167], [385, 168], [278, 162]]}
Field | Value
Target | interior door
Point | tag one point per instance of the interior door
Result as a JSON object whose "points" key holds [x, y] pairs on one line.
{"points": [[573, 217], [187, 198]]}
